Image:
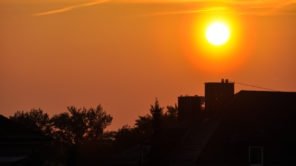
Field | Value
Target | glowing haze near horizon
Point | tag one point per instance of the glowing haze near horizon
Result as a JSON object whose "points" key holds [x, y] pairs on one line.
{"points": [[123, 54]]}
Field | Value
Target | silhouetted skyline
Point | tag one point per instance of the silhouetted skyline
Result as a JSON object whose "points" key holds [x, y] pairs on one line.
{"points": [[221, 127], [114, 53]]}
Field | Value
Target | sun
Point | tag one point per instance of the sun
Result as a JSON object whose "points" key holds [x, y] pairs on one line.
{"points": [[217, 33]]}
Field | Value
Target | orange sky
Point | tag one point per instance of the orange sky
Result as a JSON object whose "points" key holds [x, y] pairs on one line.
{"points": [[122, 54]]}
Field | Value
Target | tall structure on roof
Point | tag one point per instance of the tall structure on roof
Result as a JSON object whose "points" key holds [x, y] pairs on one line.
{"points": [[218, 95]]}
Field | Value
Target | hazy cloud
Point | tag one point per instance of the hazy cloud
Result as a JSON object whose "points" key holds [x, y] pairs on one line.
{"points": [[68, 8], [242, 7], [251, 7]]}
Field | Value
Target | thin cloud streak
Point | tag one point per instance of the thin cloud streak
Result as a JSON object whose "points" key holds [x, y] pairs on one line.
{"points": [[212, 10], [69, 8], [216, 10], [246, 7], [230, 2], [255, 7]]}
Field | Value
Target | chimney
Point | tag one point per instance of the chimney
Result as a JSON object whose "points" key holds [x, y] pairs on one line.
{"points": [[222, 80], [226, 81]]}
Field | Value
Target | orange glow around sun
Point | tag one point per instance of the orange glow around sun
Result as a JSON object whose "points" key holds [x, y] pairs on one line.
{"points": [[216, 43]]}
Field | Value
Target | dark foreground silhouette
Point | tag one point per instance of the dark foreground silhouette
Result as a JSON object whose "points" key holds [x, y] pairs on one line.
{"points": [[222, 128]]}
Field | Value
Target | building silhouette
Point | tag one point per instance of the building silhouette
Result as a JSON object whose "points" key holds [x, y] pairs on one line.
{"points": [[17, 142], [218, 95], [253, 128], [257, 129], [189, 108]]}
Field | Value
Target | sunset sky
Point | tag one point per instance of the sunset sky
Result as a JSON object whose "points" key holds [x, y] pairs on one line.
{"points": [[125, 53]]}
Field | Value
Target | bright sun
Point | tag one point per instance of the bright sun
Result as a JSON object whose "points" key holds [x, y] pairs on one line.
{"points": [[217, 33]]}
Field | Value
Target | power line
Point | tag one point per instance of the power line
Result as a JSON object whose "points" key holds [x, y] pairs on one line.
{"points": [[254, 86]]}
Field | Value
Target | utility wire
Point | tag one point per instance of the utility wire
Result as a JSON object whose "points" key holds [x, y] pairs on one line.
{"points": [[254, 86]]}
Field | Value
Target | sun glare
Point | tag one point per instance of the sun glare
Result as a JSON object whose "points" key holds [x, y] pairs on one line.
{"points": [[217, 33]]}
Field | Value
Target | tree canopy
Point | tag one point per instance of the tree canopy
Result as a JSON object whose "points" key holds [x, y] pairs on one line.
{"points": [[76, 126]]}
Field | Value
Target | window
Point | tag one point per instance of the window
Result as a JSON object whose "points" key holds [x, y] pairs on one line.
{"points": [[256, 155]]}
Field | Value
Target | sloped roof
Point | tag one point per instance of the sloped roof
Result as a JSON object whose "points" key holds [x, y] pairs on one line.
{"points": [[12, 130]]}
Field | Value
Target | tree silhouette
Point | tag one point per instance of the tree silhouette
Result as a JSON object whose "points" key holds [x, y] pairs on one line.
{"points": [[144, 125], [157, 113], [126, 137], [83, 129], [172, 112], [35, 119], [97, 121], [150, 124], [170, 117], [80, 125], [69, 128]]}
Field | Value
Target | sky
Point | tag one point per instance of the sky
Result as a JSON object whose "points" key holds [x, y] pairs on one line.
{"points": [[123, 54]]}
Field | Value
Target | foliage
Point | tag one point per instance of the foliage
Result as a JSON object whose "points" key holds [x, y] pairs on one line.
{"points": [[76, 126], [156, 111], [172, 112], [170, 118], [80, 125], [79, 133], [125, 136], [35, 119], [157, 119], [85, 125], [144, 125]]}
